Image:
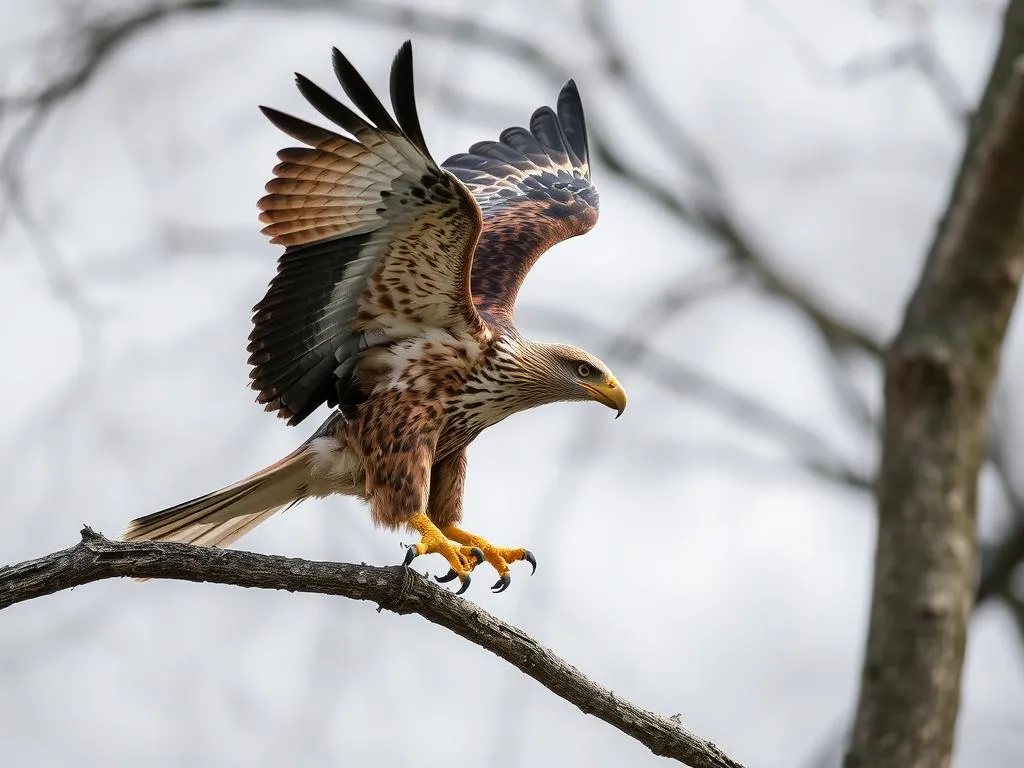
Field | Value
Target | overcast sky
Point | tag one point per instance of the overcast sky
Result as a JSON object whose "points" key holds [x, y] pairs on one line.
{"points": [[686, 561]]}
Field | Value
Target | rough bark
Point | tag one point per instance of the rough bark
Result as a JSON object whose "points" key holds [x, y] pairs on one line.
{"points": [[396, 589], [940, 372]]}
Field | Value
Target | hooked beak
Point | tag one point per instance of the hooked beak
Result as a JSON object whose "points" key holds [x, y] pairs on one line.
{"points": [[610, 393]]}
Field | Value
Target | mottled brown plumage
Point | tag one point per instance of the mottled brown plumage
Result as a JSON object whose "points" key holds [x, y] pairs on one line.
{"points": [[393, 301]]}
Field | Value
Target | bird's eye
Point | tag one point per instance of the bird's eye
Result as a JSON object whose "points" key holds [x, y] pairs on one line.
{"points": [[583, 370]]}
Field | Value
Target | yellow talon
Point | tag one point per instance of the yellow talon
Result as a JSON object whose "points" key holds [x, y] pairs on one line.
{"points": [[499, 557], [433, 540]]}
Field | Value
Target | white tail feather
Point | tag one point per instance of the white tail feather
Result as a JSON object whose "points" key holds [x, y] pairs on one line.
{"points": [[222, 517]]}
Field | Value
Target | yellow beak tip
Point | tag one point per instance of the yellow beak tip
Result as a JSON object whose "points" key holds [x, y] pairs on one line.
{"points": [[610, 394]]}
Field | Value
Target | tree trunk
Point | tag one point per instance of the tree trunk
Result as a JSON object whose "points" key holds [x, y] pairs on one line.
{"points": [[940, 372]]}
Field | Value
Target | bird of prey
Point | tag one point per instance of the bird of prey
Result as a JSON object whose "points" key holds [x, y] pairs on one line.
{"points": [[393, 302]]}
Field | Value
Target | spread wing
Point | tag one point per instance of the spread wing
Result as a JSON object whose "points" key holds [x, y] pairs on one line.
{"points": [[534, 189], [378, 243]]}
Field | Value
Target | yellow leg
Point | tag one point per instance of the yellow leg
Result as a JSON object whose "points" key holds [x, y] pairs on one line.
{"points": [[499, 557], [433, 540]]}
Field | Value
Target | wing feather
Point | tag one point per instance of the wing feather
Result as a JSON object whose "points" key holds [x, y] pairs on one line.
{"points": [[378, 237], [403, 97], [533, 187], [545, 126], [522, 141], [574, 125], [362, 95]]}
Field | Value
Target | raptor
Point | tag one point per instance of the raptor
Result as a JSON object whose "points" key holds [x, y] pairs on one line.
{"points": [[393, 304]]}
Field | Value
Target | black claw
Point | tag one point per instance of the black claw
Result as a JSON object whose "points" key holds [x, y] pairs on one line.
{"points": [[409, 555], [465, 585], [447, 577], [478, 554], [501, 584], [528, 557]]}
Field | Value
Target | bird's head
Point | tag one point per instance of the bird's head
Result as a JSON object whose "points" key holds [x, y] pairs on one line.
{"points": [[561, 372]]}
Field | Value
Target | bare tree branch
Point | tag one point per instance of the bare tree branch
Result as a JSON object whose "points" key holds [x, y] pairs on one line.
{"points": [[97, 42], [811, 450], [397, 589], [999, 561], [940, 374], [919, 53], [1011, 46], [1017, 610], [998, 567], [683, 148]]}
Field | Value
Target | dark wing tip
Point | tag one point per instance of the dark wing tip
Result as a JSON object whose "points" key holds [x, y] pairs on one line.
{"points": [[281, 120], [403, 97], [361, 94], [574, 123], [304, 84], [307, 133], [328, 106]]}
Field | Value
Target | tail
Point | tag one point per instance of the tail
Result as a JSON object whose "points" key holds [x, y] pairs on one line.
{"points": [[222, 517]]}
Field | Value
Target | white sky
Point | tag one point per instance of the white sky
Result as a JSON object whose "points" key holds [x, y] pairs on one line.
{"points": [[731, 590]]}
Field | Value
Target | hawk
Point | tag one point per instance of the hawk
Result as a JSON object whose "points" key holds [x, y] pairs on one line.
{"points": [[393, 303]]}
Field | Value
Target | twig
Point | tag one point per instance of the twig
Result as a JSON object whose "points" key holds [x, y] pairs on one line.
{"points": [[394, 588], [1016, 606], [999, 561], [644, 102], [919, 53], [96, 43], [940, 374], [999, 564]]}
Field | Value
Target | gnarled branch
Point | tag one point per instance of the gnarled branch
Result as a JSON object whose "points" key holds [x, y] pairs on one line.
{"points": [[394, 588]]}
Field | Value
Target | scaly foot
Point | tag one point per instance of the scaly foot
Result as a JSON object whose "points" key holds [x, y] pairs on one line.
{"points": [[499, 557], [432, 540]]}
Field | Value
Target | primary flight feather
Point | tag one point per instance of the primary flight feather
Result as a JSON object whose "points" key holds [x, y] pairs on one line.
{"points": [[393, 302]]}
